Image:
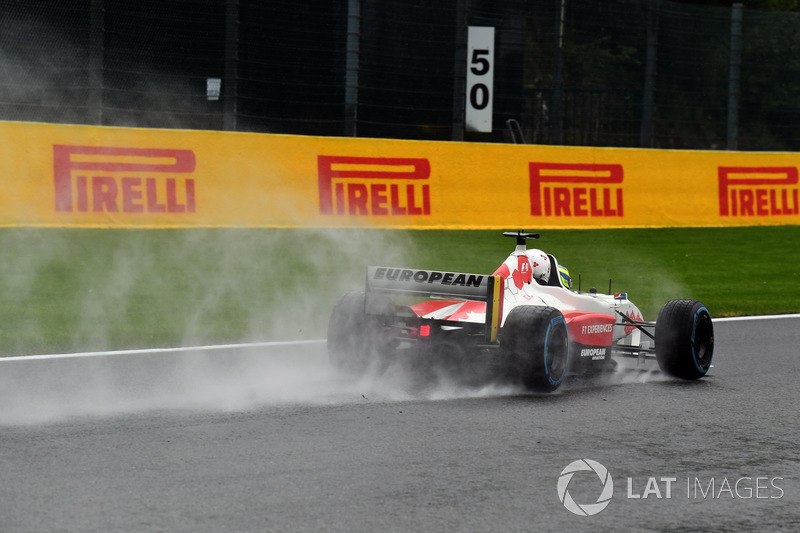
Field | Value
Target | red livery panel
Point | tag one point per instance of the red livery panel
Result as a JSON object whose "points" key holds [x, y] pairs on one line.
{"points": [[590, 329]]}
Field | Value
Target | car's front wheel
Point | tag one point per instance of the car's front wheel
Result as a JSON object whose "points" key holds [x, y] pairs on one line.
{"points": [[684, 339]]}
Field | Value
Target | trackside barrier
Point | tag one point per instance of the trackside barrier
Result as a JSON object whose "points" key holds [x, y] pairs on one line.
{"points": [[84, 176]]}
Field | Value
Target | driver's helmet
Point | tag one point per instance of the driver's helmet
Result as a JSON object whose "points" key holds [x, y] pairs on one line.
{"points": [[540, 264], [566, 280]]}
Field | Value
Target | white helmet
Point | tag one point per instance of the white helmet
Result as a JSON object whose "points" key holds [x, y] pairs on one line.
{"points": [[540, 264]]}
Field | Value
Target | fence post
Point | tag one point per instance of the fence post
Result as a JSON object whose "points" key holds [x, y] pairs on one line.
{"points": [[734, 77], [648, 98], [230, 88], [460, 71], [557, 116], [96, 55], [351, 68]]}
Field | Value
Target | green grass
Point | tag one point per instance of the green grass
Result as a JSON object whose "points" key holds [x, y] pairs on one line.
{"points": [[735, 271], [75, 290]]}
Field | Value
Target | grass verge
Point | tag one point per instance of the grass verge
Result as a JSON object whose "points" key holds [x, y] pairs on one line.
{"points": [[74, 290]]}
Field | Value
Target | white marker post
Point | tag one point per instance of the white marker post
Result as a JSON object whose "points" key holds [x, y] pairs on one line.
{"points": [[480, 78]]}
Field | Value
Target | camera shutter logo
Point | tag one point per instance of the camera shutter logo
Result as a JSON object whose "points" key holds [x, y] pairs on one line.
{"points": [[587, 509]]}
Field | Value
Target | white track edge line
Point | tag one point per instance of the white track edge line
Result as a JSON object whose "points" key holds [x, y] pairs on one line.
{"points": [[146, 351], [756, 317]]}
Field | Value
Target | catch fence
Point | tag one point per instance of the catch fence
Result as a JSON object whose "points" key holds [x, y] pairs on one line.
{"points": [[622, 73]]}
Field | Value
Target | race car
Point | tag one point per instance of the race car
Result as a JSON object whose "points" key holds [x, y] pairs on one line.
{"points": [[523, 322]]}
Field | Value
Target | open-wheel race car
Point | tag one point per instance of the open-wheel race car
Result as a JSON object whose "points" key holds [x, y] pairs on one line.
{"points": [[523, 323]]}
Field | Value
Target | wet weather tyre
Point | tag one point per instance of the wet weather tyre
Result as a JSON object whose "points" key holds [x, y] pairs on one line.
{"points": [[535, 340], [353, 335], [684, 339]]}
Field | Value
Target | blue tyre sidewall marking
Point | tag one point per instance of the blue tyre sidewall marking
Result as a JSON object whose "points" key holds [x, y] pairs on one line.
{"points": [[694, 329], [554, 322]]}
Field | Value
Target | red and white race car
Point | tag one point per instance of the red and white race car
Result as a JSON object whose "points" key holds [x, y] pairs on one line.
{"points": [[522, 324]]}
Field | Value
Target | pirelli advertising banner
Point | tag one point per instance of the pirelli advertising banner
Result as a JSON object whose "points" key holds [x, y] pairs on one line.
{"points": [[84, 176]]}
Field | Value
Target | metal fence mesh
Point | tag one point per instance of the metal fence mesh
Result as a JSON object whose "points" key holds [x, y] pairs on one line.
{"points": [[652, 73]]}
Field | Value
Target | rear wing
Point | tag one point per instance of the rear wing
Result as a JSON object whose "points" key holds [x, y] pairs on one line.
{"points": [[439, 284]]}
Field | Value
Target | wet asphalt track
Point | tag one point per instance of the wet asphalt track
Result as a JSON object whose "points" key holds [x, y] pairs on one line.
{"points": [[267, 439]]}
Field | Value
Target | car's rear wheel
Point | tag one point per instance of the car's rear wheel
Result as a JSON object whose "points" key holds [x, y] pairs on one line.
{"points": [[355, 337], [684, 339], [535, 340]]}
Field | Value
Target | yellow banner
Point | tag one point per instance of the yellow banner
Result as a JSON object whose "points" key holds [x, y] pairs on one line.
{"points": [[85, 176]]}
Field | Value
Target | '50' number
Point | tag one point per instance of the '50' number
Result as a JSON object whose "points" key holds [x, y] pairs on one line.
{"points": [[479, 66]]}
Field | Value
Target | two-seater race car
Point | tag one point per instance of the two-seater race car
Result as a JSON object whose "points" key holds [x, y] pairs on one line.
{"points": [[523, 323]]}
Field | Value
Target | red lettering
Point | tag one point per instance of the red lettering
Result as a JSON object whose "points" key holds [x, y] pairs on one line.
{"points": [[746, 202], [173, 206], [412, 205], [773, 203], [337, 174], [594, 206], [783, 205], [607, 210], [761, 202], [104, 194], [580, 202], [191, 201], [106, 184], [732, 187], [153, 206], [83, 194], [561, 201], [131, 193], [548, 203], [340, 198], [379, 200], [397, 209], [357, 198], [579, 190]]}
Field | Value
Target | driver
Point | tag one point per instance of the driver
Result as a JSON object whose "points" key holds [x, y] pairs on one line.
{"points": [[540, 263]]}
